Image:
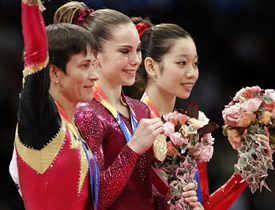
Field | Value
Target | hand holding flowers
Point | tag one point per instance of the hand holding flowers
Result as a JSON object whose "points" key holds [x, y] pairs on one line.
{"points": [[250, 126], [189, 141]]}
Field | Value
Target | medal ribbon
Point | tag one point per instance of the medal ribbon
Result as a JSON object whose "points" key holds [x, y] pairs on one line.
{"points": [[154, 113], [94, 180], [99, 95]]}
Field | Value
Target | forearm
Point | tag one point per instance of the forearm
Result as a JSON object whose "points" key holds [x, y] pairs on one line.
{"points": [[37, 111], [115, 177], [226, 195], [35, 38]]}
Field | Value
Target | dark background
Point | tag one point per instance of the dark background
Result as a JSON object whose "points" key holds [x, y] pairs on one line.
{"points": [[235, 42]]}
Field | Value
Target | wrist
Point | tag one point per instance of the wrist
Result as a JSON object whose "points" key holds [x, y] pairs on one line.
{"points": [[133, 146]]}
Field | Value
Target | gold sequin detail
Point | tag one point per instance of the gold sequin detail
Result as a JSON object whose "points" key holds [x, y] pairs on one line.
{"points": [[28, 70], [84, 166], [40, 160]]}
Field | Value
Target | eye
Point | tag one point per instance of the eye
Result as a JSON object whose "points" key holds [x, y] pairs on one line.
{"points": [[197, 63], [138, 49], [124, 51], [183, 63], [85, 65]]}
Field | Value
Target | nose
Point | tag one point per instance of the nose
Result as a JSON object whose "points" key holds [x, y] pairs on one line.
{"points": [[191, 71], [93, 75], [136, 59]]}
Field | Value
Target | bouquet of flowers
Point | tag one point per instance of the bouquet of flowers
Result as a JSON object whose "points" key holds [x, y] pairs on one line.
{"points": [[189, 140], [250, 126]]}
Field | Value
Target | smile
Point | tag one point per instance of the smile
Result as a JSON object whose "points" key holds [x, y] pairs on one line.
{"points": [[130, 71]]}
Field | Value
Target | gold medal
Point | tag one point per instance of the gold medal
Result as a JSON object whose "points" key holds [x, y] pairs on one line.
{"points": [[160, 147]]}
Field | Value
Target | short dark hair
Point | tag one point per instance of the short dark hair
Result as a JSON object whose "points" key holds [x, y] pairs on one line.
{"points": [[66, 40]]}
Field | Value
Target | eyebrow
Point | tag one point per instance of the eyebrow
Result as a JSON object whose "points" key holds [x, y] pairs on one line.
{"points": [[128, 46], [184, 55]]}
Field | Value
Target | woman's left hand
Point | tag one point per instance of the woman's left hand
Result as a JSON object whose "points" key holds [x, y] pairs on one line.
{"points": [[190, 196]]}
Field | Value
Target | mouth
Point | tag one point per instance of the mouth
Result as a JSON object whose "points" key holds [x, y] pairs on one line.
{"points": [[89, 86], [130, 71], [188, 85]]}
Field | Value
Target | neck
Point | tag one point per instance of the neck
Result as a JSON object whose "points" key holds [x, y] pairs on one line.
{"points": [[163, 101], [67, 105], [113, 93]]}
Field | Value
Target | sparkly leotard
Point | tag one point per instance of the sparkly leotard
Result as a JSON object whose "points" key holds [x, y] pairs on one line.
{"points": [[125, 177]]}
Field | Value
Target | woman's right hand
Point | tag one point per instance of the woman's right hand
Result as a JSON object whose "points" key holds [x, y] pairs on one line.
{"points": [[145, 134]]}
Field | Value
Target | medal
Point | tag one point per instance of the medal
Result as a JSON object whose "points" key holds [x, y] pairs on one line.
{"points": [[160, 147]]}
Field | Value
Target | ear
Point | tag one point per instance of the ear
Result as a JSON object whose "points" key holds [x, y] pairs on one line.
{"points": [[97, 58], [150, 66], [54, 74]]}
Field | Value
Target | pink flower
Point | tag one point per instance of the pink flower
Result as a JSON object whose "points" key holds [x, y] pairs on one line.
{"points": [[235, 116], [177, 139], [247, 92], [183, 119], [251, 105], [208, 138], [206, 153], [169, 128], [270, 92], [175, 117]]}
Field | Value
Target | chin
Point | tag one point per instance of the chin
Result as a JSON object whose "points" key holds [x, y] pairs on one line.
{"points": [[183, 96], [87, 99], [129, 83]]}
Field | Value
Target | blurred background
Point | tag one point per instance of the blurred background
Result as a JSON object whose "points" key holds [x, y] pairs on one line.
{"points": [[236, 44]]}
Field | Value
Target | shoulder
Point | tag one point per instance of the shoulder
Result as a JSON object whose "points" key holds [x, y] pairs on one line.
{"points": [[139, 107], [88, 111]]}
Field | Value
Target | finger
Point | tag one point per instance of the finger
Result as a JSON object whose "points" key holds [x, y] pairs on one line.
{"points": [[196, 205], [193, 205], [263, 137], [190, 186], [191, 199], [190, 193]]}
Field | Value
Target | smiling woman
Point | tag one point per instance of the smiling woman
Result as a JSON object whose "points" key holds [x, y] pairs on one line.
{"points": [[170, 69], [111, 122]]}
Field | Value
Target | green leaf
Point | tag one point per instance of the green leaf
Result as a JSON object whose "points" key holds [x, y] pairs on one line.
{"points": [[267, 98]]}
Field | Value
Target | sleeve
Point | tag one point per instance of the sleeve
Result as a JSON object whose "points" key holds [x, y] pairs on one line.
{"points": [[113, 178], [38, 118], [226, 195]]}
